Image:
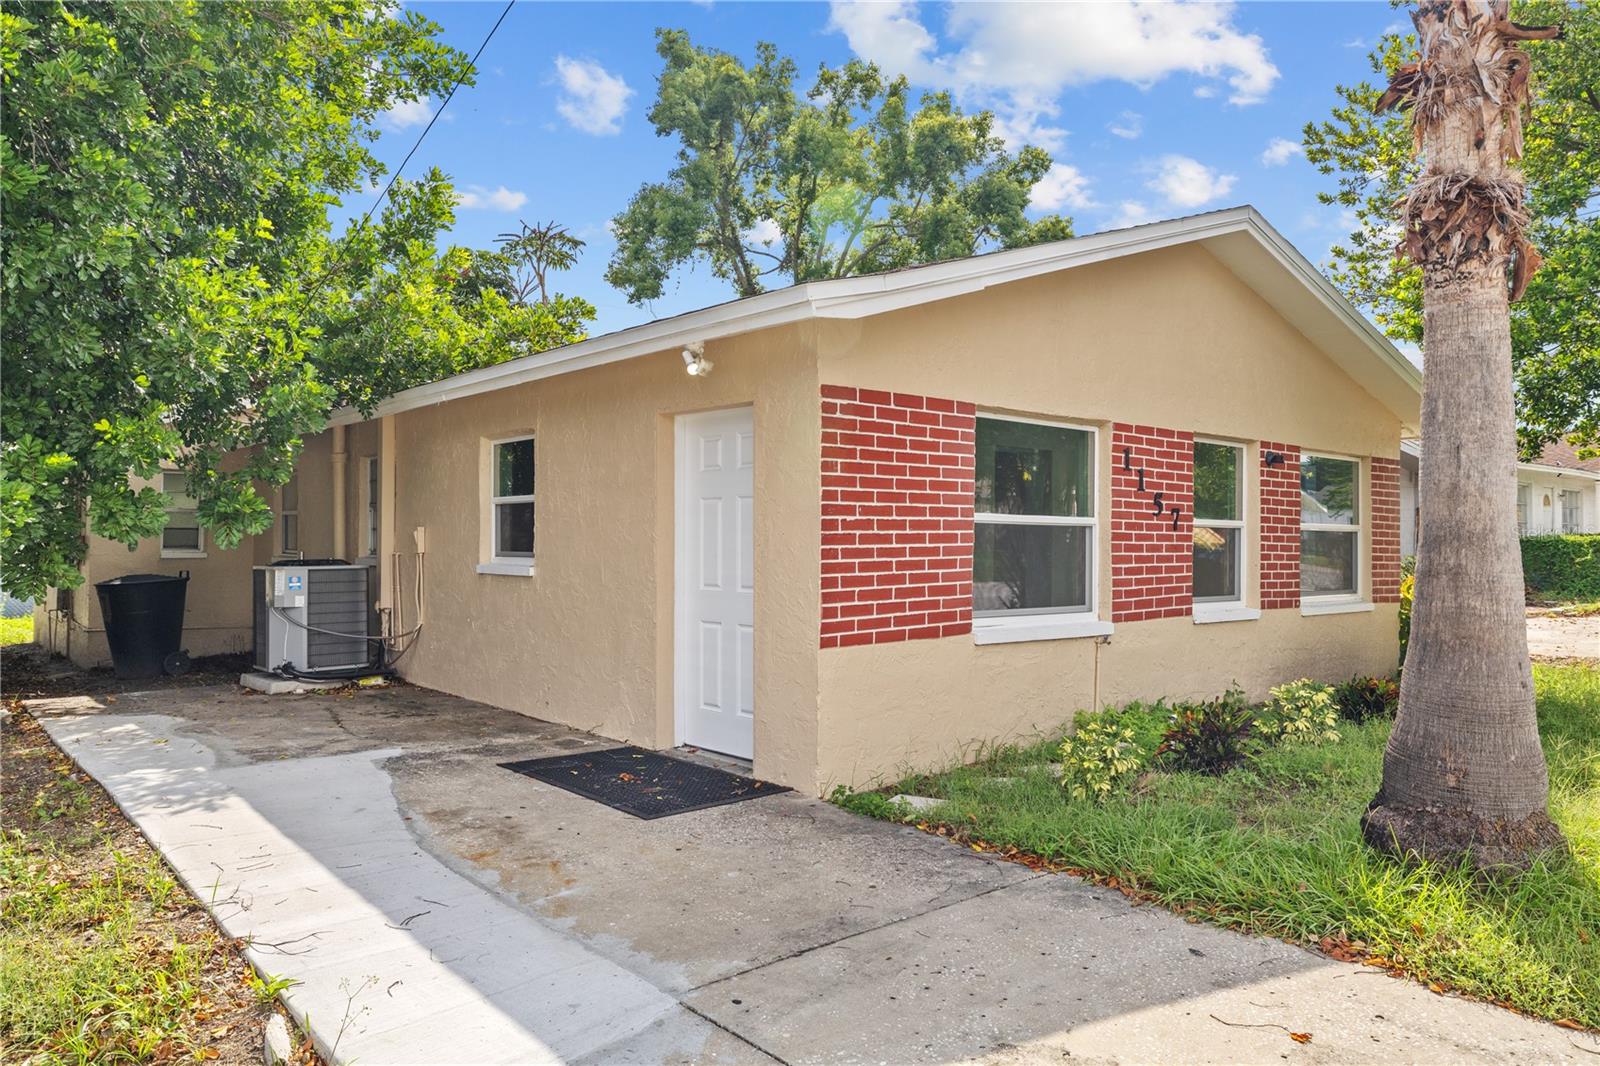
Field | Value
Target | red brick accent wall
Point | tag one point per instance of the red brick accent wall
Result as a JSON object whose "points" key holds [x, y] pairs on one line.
{"points": [[1152, 558], [1385, 530], [896, 516], [1280, 527]]}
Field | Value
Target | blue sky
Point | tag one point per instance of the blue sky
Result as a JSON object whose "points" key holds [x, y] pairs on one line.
{"points": [[1150, 111]]}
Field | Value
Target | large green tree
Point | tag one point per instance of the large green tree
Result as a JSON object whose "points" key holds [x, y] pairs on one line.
{"points": [[854, 176], [173, 289], [1555, 327]]}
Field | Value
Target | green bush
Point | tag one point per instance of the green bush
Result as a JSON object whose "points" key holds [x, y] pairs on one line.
{"points": [[1210, 737], [1562, 566], [1301, 712], [1362, 699], [1099, 757]]}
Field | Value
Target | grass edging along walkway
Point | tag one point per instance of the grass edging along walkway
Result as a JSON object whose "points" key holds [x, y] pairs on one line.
{"points": [[1274, 848], [104, 957]]}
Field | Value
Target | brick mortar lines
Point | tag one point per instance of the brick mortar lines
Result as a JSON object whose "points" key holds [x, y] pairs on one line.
{"points": [[897, 487], [1152, 560], [1385, 530], [1280, 527]]}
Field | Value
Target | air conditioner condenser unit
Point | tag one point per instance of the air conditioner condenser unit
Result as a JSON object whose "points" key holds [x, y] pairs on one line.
{"points": [[312, 618]]}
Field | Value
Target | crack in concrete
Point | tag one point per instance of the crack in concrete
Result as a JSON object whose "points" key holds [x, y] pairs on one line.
{"points": [[862, 932], [703, 1016]]}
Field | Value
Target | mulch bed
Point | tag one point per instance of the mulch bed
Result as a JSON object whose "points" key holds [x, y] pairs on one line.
{"points": [[229, 1019]]}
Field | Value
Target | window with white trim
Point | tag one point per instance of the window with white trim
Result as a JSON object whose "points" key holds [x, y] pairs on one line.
{"points": [[369, 541], [1218, 522], [1034, 534], [1524, 505], [182, 534], [1571, 511], [289, 517], [511, 502], [1330, 525]]}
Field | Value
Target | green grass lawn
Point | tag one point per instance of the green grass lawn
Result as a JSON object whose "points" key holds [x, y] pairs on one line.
{"points": [[15, 631], [1275, 848]]}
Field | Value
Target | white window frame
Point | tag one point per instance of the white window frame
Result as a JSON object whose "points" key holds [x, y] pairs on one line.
{"points": [[1562, 495], [509, 564], [372, 485], [1227, 608], [284, 511], [1524, 506], [199, 550], [1046, 623], [1335, 602]]}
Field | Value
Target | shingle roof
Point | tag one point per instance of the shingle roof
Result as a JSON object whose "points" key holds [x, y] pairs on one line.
{"points": [[1562, 454]]}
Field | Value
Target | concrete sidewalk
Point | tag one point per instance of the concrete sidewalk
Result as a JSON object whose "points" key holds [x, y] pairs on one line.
{"points": [[437, 908]]}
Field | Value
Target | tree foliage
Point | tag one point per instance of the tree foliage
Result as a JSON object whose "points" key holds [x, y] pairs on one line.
{"points": [[854, 177], [173, 290], [532, 253], [1555, 327]]}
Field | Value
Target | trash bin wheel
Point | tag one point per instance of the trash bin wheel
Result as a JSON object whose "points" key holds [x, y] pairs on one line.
{"points": [[176, 664]]}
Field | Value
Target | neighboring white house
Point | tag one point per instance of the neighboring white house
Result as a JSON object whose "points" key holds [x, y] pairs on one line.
{"points": [[1559, 493]]}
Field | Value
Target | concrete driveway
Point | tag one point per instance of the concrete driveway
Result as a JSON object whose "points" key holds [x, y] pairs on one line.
{"points": [[434, 908]]}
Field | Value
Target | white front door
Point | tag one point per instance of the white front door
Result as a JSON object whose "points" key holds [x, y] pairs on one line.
{"points": [[715, 633]]}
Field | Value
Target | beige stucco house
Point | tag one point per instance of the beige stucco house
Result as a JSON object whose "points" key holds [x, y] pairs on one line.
{"points": [[888, 518]]}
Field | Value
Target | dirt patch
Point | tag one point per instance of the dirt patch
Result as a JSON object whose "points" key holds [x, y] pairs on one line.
{"points": [[1558, 637], [63, 831], [28, 671]]}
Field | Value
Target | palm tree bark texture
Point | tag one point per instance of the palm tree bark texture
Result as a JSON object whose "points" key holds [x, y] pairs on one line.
{"points": [[1464, 777]]}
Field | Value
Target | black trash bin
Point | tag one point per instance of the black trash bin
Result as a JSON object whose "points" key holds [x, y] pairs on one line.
{"points": [[144, 623]]}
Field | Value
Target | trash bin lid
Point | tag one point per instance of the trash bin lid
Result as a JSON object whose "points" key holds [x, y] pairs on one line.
{"points": [[140, 579]]}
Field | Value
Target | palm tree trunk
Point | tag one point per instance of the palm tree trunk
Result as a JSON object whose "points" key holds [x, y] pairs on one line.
{"points": [[1464, 776]]}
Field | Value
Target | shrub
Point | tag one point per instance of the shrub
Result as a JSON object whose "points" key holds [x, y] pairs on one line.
{"points": [[1098, 757], [1301, 712], [1209, 737], [1362, 699], [1408, 592], [1563, 566], [870, 804]]}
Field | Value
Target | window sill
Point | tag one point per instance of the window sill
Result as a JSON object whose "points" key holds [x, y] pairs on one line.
{"points": [[1019, 630], [365, 560], [1334, 605], [180, 553], [507, 569], [1207, 613]]}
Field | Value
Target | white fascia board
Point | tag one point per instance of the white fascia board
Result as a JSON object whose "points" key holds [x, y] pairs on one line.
{"points": [[721, 320], [1558, 471]]}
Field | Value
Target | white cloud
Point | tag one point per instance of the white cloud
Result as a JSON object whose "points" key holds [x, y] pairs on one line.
{"points": [[1355, 42], [765, 233], [409, 113], [1128, 125], [1279, 151], [1017, 57], [500, 198], [592, 98], [1061, 186], [1187, 182], [1129, 213]]}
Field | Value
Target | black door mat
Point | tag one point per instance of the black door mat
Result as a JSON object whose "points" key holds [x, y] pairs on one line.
{"points": [[645, 784]]}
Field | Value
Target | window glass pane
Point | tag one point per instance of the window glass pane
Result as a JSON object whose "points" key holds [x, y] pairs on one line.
{"points": [[1029, 469], [1327, 562], [177, 486], [513, 464], [1571, 511], [182, 533], [1328, 490], [291, 532], [1524, 495], [1030, 568], [1216, 563], [291, 494], [513, 530], [1216, 481]]}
